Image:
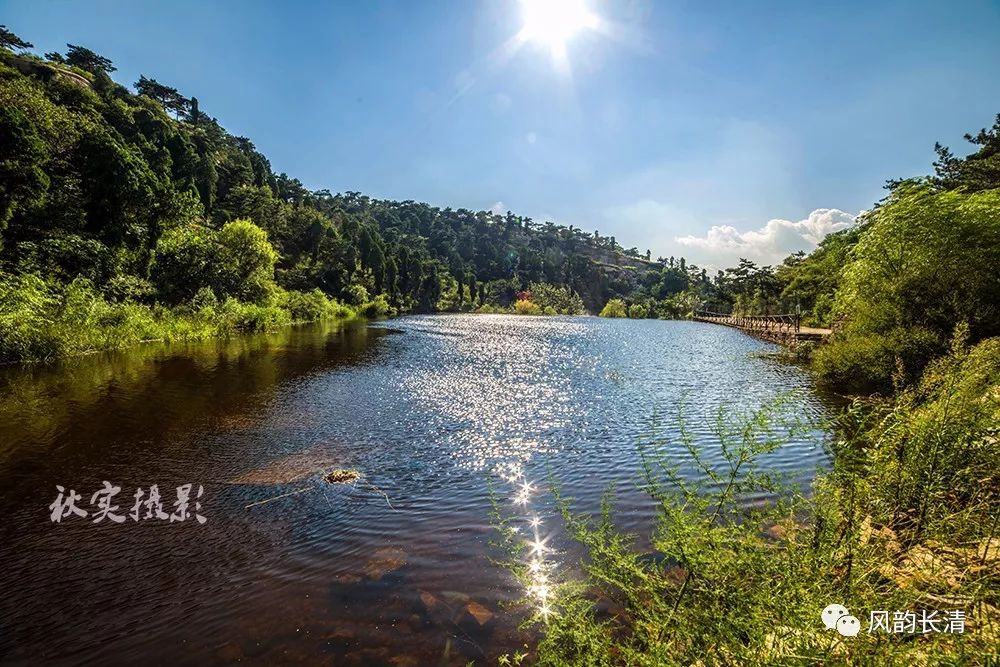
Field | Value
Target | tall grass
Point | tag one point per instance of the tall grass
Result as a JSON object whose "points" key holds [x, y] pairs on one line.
{"points": [[42, 320], [907, 520]]}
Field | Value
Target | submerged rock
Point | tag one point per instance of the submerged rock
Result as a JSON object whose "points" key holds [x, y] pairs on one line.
{"points": [[477, 622], [289, 469], [478, 612], [342, 634], [384, 561], [430, 603], [455, 597]]}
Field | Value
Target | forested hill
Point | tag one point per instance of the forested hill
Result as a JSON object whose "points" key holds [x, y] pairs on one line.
{"points": [[133, 215], [130, 190]]}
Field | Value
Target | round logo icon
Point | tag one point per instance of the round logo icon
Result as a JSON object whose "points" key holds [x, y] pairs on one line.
{"points": [[832, 614], [849, 626]]}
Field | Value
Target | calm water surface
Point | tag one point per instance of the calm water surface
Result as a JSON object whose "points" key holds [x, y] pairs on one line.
{"points": [[383, 571]]}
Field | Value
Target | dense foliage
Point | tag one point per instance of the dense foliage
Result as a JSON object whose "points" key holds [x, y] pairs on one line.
{"points": [[148, 198], [925, 262]]}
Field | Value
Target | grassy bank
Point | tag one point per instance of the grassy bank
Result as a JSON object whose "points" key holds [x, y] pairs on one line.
{"points": [[44, 320], [906, 521]]}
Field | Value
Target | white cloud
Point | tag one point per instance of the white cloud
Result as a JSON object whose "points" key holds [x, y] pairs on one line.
{"points": [[771, 243], [498, 208], [531, 137]]}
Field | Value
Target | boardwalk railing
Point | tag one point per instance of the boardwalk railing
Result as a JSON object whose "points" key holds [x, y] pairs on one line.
{"points": [[773, 324]]}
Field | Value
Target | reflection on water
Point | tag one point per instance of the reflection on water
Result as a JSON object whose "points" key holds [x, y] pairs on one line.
{"points": [[538, 554], [390, 569]]}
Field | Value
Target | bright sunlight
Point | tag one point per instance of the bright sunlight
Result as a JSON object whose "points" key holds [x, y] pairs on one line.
{"points": [[554, 22]]}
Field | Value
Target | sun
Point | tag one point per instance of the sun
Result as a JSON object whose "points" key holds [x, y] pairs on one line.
{"points": [[555, 22]]}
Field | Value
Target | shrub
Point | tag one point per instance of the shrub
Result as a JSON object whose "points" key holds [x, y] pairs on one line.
{"points": [[27, 305], [42, 320], [377, 307], [907, 520], [244, 262], [183, 262], [237, 317], [553, 299], [205, 299], [638, 311], [235, 261], [308, 306], [864, 363], [933, 455], [356, 295], [129, 288], [614, 308], [525, 307]]}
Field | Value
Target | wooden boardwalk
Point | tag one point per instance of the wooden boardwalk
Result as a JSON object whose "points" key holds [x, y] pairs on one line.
{"points": [[784, 329]]}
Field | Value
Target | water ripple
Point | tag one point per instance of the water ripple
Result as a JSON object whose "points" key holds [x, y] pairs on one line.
{"points": [[387, 569]]}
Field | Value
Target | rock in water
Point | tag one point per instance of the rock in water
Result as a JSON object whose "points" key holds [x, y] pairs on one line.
{"points": [[455, 597], [384, 561], [429, 601], [475, 619], [478, 612], [290, 468]]}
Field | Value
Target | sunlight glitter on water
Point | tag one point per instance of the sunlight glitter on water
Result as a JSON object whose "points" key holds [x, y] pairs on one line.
{"points": [[538, 555], [503, 380]]}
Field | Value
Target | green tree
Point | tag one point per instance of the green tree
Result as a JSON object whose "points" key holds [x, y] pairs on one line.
{"points": [[638, 311], [246, 262], [10, 41], [185, 262], [810, 281], [560, 299], [977, 171], [167, 96], [85, 59], [236, 261], [23, 181], [925, 261]]}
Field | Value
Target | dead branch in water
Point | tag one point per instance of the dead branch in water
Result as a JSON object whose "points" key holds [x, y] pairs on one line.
{"points": [[283, 495], [338, 476]]}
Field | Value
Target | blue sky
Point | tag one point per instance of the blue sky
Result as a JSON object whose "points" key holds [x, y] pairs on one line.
{"points": [[711, 130]]}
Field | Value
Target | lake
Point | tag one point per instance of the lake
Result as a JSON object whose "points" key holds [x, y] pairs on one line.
{"points": [[391, 569]]}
